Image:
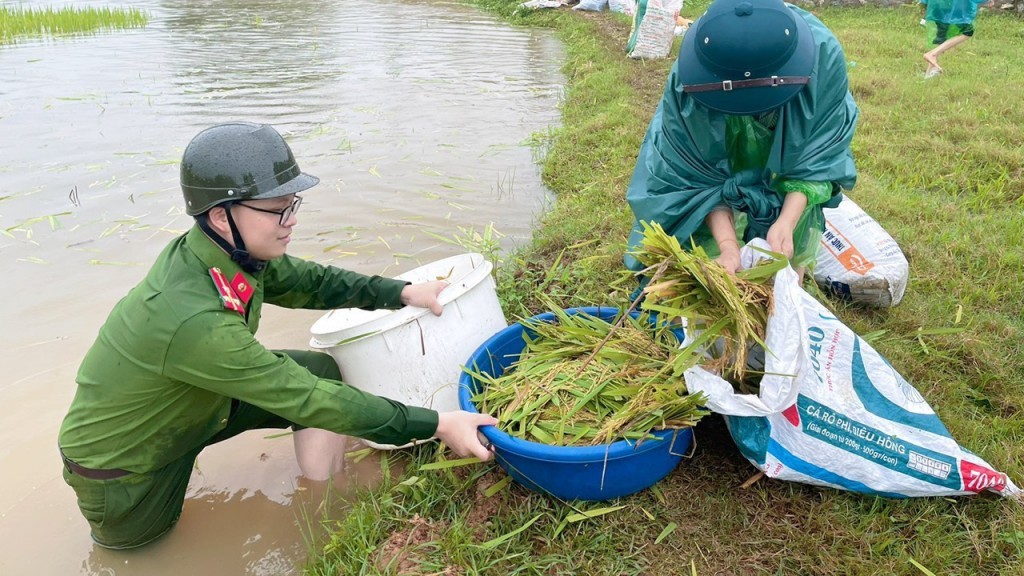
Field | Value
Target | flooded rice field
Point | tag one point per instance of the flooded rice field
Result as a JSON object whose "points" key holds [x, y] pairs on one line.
{"points": [[421, 118]]}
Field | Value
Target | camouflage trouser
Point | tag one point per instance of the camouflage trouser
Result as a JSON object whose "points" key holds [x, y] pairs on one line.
{"points": [[135, 509]]}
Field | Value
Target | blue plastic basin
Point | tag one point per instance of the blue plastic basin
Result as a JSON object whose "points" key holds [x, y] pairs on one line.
{"points": [[570, 472]]}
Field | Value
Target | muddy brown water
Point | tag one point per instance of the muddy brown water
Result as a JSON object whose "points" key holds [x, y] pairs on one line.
{"points": [[415, 114]]}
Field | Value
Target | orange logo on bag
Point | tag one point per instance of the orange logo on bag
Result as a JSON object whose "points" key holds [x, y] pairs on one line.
{"points": [[844, 251], [227, 295]]}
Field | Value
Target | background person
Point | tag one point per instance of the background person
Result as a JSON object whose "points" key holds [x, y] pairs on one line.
{"points": [[176, 367], [751, 137], [950, 23]]}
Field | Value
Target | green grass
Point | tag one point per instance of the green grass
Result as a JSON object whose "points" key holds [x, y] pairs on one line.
{"points": [[25, 21], [941, 165]]}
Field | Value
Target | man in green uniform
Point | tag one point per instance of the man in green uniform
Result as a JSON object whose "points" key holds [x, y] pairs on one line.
{"points": [[176, 366], [752, 135]]}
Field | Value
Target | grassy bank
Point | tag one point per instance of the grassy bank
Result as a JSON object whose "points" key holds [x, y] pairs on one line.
{"points": [[26, 22], [940, 165]]}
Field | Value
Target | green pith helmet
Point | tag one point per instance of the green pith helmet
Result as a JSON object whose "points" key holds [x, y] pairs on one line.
{"points": [[746, 56], [239, 161]]}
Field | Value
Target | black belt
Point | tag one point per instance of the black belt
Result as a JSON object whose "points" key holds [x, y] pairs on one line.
{"points": [[91, 473], [728, 85]]}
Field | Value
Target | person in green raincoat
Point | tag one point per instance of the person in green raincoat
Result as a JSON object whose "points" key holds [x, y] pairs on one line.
{"points": [[751, 137], [176, 366], [950, 24]]}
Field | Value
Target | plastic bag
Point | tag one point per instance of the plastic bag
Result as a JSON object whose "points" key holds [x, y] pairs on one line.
{"points": [[858, 260], [832, 412]]}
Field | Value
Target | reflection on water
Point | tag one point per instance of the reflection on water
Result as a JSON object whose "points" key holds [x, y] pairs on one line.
{"points": [[414, 114], [261, 52], [282, 525]]}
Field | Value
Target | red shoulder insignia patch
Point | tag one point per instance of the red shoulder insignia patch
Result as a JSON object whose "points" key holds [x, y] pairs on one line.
{"points": [[227, 295], [242, 288]]}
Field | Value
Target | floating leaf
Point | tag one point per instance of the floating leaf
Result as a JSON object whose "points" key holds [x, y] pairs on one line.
{"points": [[107, 263], [111, 230], [358, 455]]}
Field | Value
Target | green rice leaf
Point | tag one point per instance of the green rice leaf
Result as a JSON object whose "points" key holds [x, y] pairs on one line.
{"points": [[592, 513], [665, 532], [498, 486], [920, 567], [448, 464], [490, 544]]}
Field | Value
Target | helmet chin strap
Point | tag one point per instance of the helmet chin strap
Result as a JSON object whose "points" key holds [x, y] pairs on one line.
{"points": [[238, 252]]}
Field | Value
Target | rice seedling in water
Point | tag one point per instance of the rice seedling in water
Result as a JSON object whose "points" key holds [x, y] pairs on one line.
{"points": [[556, 394], [26, 21]]}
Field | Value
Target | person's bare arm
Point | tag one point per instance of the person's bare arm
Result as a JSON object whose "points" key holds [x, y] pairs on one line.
{"points": [[722, 226]]}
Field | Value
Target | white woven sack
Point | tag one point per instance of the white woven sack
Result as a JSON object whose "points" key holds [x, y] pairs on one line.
{"points": [[622, 6], [591, 5], [653, 32], [833, 412], [858, 260]]}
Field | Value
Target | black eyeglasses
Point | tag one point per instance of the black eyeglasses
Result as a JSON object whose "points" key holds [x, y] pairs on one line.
{"points": [[284, 214]]}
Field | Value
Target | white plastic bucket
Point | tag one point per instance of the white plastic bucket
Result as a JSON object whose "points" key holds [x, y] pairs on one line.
{"points": [[410, 355]]}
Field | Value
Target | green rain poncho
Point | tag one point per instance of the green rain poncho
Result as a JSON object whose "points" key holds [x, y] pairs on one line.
{"points": [[694, 159], [949, 18]]}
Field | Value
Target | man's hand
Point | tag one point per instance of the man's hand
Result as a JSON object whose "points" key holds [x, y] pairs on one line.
{"points": [[424, 295], [458, 430]]}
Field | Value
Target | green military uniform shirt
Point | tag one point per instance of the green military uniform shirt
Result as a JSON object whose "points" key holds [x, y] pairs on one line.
{"points": [[160, 377]]}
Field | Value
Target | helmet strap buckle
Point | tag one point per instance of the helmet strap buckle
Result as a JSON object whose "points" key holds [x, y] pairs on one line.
{"points": [[238, 253], [246, 261]]}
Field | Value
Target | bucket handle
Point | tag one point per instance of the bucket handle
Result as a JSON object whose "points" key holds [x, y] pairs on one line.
{"points": [[693, 445]]}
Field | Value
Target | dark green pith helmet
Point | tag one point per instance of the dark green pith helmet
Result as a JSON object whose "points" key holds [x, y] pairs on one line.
{"points": [[746, 56], [239, 161]]}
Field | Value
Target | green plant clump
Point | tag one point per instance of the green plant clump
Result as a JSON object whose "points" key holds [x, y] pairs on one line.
{"points": [[584, 381], [26, 21]]}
